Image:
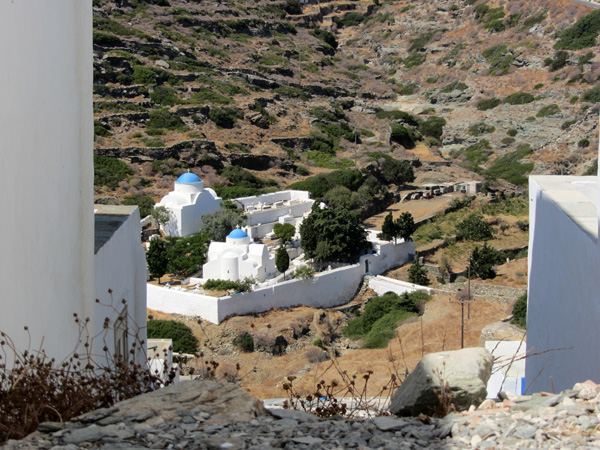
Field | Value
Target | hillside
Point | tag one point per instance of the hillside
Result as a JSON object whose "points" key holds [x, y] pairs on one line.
{"points": [[289, 92]]}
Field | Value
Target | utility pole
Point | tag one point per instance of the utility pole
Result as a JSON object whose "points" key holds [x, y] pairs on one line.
{"points": [[464, 297]]}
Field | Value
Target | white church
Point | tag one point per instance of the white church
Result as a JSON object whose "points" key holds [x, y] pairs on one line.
{"points": [[187, 203], [237, 258]]}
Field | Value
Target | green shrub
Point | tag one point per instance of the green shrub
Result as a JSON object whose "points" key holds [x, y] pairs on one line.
{"points": [[318, 185], [165, 95], [583, 143], [245, 342], [326, 160], [480, 128], [520, 312], [183, 338], [512, 132], [567, 124], [593, 169], [510, 168], [454, 86], [164, 119], [225, 117], [483, 260], [548, 110], [291, 92], [432, 126], [403, 135], [109, 171], [206, 95], [583, 34], [101, 130], [421, 41], [489, 103], [592, 95], [397, 115], [325, 36], [414, 60], [143, 202], [384, 329], [499, 59], [106, 40], [474, 228], [379, 307], [226, 285], [519, 98]]}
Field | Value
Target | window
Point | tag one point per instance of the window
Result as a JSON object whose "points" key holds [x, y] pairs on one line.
{"points": [[121, 342]]}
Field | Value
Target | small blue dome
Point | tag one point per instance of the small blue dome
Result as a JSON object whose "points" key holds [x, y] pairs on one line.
{"points": [[188, 177], [237, 234]]}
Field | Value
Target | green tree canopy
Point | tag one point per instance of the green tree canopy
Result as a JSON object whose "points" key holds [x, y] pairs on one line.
{"points": [[397, 171], [157, 260], [161, 215], [340, 197], [221, 222], [388, 229], [183, 338], [284, 231], [282, 260], [483, 260], [405, 226], [329, 235], [474, 228], [417, 273], [187, 254]]}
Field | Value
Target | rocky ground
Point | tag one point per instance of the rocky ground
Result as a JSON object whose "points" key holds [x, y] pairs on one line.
{"points": [[208, 415]]}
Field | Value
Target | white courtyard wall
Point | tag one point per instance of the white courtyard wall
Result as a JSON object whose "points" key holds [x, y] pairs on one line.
{"points": [[46, 174], [178, 302], [120, 265], [563, 308], [326, 289]]}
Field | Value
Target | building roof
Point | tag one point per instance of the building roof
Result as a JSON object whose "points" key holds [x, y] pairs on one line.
{"points": [[577, 196], [237, 234], [188, 178], [107, 220]]}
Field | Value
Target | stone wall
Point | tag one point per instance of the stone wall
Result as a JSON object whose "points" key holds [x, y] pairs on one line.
{"points": [[489, 292]]}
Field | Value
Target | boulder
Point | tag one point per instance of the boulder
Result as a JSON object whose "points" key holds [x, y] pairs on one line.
{"points": [[466, 371]]}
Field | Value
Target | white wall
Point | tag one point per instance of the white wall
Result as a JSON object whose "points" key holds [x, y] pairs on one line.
{"points": [[120, 265], [381, 285], [563, 307], [326, 289], [46, 173], [179, 302]]}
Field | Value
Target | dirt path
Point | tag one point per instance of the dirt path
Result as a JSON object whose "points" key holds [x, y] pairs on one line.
{"points": [[420, 209]]}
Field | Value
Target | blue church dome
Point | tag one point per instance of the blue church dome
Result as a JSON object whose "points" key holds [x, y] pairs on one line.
{"points": [[237, 234], [188, 178]]}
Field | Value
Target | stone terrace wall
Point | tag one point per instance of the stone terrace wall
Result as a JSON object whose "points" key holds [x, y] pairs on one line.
{"points": [[501, 294]]}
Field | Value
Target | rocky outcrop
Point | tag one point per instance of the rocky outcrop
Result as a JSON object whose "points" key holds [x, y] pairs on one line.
{"points": [[466, 371]]}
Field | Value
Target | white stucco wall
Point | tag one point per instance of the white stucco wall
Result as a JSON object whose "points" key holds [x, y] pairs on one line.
{"points": [[564, 298], [381, 285], [120, 265], [326, 289], [46, 173]]}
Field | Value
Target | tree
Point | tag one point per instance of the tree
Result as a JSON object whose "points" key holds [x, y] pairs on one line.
{"points": [[405, 226], [520, 312], [186, 255], [329, 235], [282, 260], [157, 259], [161, 215], [284, 231], [183, 338], [474, 228], [342, 197], [417, 273], [483, 260], [221, 222], [397, 172], [388, 229]]}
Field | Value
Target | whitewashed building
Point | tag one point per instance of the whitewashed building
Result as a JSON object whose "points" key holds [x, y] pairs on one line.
{"points": [[563, 308], [52, 265], [264, 211], [119, 265], [187, 203], [237, 258]]}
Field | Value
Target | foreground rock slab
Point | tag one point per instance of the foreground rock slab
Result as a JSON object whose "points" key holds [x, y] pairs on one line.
{"points": [[465, 371], [569, 420]]}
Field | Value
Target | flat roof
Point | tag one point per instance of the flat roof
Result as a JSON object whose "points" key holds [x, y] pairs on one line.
{"points": [[577, 196], [107, 220]]}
